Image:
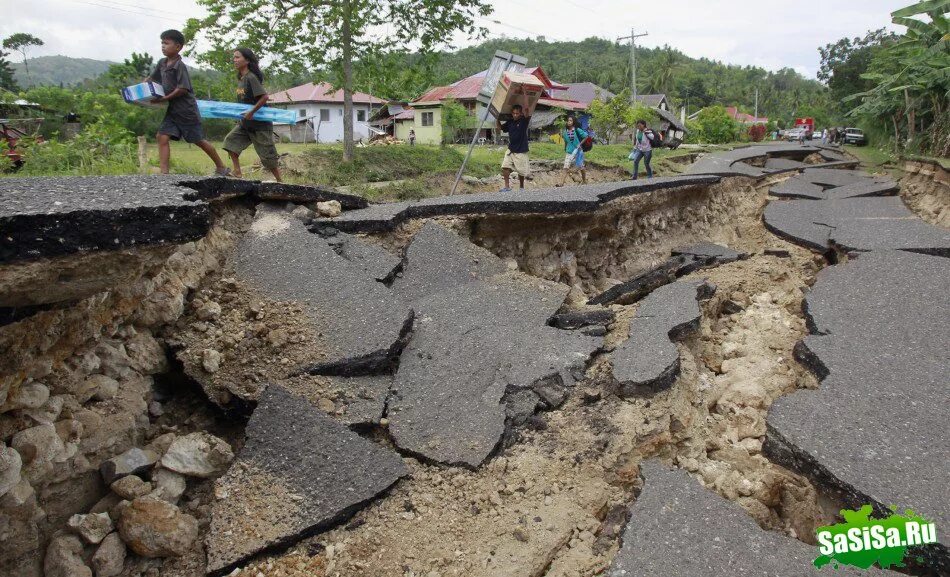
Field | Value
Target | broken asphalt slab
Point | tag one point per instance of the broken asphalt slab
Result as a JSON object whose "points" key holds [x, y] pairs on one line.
{"points": [[648, 361], [552, 201], [678, 527], [875, 430], [833, 176], [855, 224], [472, 345], [797, 187], [361, 323], [53, 216], [43, 217], [481, 343], [684, 260], [299, 472], [437, 259]]}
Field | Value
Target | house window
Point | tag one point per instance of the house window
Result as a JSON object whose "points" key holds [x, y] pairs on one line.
{"points": [[324, 115], [302, 112], [361, 115], [427, 118]]}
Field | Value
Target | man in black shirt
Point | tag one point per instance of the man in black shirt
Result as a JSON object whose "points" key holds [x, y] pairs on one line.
{"points": [[516, 157]]}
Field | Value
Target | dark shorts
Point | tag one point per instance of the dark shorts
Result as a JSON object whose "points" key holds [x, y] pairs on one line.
{"points": [[263, 140], [191, 133]]}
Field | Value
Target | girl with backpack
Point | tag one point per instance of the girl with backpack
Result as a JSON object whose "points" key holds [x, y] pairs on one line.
{"points": [[574, 138], [643, 142]]}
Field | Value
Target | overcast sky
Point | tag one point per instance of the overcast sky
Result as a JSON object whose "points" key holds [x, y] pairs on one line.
{"points": [[768, 33]]}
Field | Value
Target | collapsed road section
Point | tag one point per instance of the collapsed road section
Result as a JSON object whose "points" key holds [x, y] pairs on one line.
{"points": [[294, 382]]}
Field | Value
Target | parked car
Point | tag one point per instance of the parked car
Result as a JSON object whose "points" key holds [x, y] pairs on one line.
{"points": [[854, 136], [793, 134]]}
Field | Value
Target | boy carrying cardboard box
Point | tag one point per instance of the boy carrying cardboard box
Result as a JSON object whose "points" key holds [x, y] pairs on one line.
{"points": [[182, 121]]}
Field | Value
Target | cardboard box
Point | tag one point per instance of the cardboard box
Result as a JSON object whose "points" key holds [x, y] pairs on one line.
{"points": [[142, 94], [512, 89]]}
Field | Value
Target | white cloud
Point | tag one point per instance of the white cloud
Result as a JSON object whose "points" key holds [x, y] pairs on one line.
{"points": [[747, 32]]}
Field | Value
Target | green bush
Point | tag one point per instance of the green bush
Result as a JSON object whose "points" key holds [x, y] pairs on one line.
{"points": [[713, 125], [100, 148]]}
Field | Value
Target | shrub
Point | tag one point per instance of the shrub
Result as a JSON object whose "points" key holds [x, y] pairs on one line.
{"points": [[757, 132], [100, 148]]}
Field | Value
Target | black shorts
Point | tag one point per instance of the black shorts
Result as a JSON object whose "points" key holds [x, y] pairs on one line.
{"points": [[191, 133]]}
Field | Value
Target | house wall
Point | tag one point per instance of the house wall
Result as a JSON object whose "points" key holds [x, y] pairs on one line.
{"points": [[428, 134], [323, 131], [402, 129]]}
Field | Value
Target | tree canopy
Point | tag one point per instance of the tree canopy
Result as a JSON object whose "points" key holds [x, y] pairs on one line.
{"points": [[330, 35]]}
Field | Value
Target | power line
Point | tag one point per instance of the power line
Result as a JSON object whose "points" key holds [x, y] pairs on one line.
{"points": [[177, 20], [141, 7]]}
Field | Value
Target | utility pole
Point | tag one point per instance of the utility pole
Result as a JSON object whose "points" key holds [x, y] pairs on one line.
{"points": [[633, 62], [756, 103]]}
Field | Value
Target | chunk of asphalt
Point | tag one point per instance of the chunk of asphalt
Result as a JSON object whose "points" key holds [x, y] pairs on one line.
{"points": [[862, 189], [648, 361], [735, 162], [299, 473], [53, 216], [833, 176], [437, 259], [881, 223], [360, 322], [645, 282], [707, 250], [779, 163], [684, 260], [473, 344], [678, 527], [798, 221], [875, 430], [584, 318], [375, 261], [796, 187]]}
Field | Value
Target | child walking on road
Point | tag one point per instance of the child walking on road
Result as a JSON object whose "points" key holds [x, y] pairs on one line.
{"points": [[249, 131], [643, 148], [182, 121], [573, 153]]}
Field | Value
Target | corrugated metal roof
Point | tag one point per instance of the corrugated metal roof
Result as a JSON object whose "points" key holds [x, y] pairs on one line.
{"points": [[320, 92], [587, 92]]}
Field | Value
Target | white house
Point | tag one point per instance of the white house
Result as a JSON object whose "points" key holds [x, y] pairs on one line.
{"points": [[320, 113]]}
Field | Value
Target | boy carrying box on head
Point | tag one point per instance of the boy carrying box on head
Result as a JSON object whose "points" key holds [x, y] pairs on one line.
{"points": [[182, 121]]}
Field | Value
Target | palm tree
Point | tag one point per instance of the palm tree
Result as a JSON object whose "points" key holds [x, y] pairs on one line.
{"points": [[666, 65]]}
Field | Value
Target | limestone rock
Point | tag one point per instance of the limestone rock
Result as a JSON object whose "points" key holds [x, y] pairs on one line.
{"points": [[134, 460], [155, 528], [131, 487], [303, 213], [208, 311], [10, 464], [92, 527], [110, 557], [102, 387], [169, 485], [64, 558], [211, 360], [330, 208], [27, 396], [198, 455], [38, 447]]}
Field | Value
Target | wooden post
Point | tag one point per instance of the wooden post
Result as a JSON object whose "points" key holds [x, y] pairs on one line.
{"points": [[143, 155]]}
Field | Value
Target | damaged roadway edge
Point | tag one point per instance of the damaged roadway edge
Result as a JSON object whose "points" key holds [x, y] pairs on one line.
{"points": [[44, 217]]}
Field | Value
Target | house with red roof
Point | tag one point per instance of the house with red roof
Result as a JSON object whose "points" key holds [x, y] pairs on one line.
{"points": [[743, 118], [319, 110], [425, 113]]}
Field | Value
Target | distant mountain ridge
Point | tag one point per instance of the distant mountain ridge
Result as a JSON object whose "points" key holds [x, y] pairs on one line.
{"points": [[56, 70]]}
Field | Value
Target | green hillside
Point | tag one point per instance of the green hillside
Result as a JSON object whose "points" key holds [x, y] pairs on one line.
{"points": [[56, 70]]}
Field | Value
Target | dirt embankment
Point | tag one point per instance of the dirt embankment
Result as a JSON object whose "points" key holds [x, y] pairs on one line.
{"points": [[925, 188]]}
